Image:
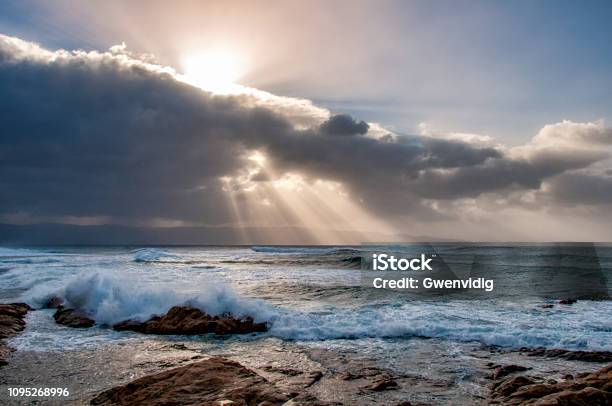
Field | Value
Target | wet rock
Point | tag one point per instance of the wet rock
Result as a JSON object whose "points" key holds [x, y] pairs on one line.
{"points": [[284, 371], [306, 399], [502, 371], [535, 391], [362, 373], [547, 306], [72, 318], [567, 301], [348, 376], [53, 302], [510, 385], [587, 397], [381, 384], [12, 318], [213, 381], [130, 325], [312, 377], [177, 347], [12, 322], [189, 320], [5, 350], [590, 389], [587, 356]]}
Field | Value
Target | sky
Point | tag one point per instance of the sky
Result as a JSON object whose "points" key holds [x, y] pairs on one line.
{"points": [[354, 121]]}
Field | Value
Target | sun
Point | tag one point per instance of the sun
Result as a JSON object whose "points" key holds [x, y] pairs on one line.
{"points": [[215, 70]]}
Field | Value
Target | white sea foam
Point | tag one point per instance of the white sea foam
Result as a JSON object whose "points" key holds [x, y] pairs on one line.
{"points": [[586, 328], [110, 298], [111, 287]]}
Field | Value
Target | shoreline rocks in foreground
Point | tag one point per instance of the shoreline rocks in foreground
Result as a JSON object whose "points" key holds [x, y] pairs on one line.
{"points": [[189, 320], [570, 355], [213, 381], [582, 389], [12, 322]]}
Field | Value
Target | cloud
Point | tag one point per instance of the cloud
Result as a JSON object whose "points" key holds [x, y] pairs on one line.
{"points": [[343, 124], [105, 135], [581, 189]]}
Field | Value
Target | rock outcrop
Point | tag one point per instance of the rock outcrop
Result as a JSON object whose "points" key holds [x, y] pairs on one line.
{"points": [[11, 323], [72, 318], [572, 355], [53, 302], [210, 382], [586, 389], [189, 320], [501, 371]]}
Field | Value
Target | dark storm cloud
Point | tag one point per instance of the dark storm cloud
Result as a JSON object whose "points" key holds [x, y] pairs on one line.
{"points": [[580, 188], [97, 135], [343, 124]]}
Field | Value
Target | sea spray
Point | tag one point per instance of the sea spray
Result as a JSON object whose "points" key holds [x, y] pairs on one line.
{"points": [[468, 321], [110, 298]]}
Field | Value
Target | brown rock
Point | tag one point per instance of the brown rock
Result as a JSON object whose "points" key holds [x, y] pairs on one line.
{"points": [[502, 371], [534, 391], [590, 389], [381, 384], [12, 318], [587, 356], [11, 323], [72, 318], [584, 397], [189, 320], [510, 385], [306, 399], [5, 350], [208, 382], [310, 378], [130, 325]]}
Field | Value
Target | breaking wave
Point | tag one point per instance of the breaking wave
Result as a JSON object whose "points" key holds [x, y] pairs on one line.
{"points": [[586, 329], [110, 298]]}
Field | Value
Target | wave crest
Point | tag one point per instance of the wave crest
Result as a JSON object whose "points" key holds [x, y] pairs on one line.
{"points": [[110, 298]]}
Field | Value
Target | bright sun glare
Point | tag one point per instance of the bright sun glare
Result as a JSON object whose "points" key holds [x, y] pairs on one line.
{"points": [[216, 70]]}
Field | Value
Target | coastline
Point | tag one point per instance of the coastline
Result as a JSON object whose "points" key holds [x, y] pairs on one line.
{"points": [[308, 374], [309, 333]]}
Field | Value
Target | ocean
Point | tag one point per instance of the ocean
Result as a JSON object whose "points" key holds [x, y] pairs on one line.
{"points": [[314, 300]]}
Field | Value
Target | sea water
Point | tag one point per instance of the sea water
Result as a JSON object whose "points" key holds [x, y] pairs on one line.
{"points": [[305, 294]]}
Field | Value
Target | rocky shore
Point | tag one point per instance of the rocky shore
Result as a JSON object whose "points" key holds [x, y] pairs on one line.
{"points": [[287, 376], [221, 381], [189, 320], [181, 320], [213, 381], [594, 389], [11, 323]]}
